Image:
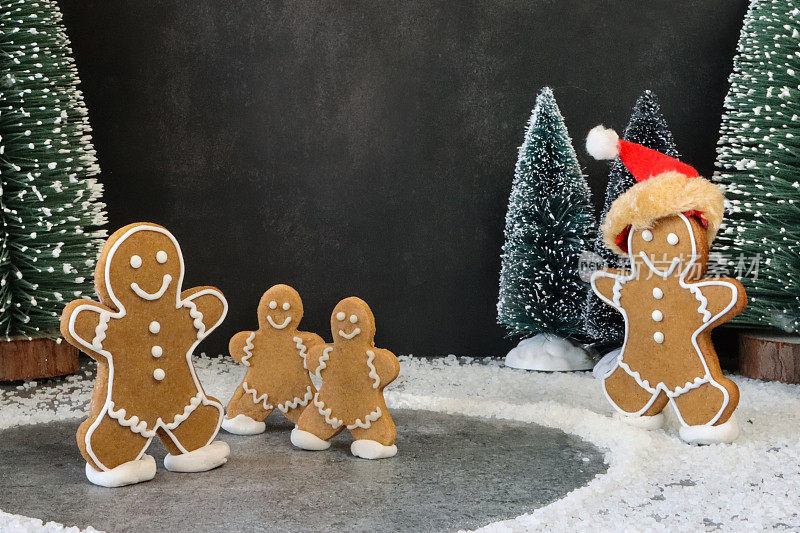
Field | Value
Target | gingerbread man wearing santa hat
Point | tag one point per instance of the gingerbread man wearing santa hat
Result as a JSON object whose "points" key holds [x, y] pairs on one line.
{"points": [[664, 224]]}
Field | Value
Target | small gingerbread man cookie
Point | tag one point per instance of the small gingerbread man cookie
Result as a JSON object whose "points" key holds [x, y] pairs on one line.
{"points": [[664, 223], [275, 357], [354, 373], [143, 335]]}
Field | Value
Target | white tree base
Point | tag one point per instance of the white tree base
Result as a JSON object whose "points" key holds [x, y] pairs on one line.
{"points": [[548, 353]]}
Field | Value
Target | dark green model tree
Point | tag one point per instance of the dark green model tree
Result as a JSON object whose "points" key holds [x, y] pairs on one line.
{"points": [[51, 212], [758, 162], [548, 224], [648, 128]]}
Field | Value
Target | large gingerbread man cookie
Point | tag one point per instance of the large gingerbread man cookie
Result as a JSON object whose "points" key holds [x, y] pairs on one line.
{"points": [[275, 357], [664, 224], [142, 335], [353, 373]]}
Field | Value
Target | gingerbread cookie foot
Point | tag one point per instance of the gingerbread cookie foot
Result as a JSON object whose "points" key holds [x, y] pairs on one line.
{"points": [[721, 434], [199, 460], [129, 473], [370, 449], [644, 422], [308, 441], [243, 425]]}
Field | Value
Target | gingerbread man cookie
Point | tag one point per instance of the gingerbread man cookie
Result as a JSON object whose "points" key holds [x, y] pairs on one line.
{"points": [[664, 224], [142, 335], [354, 373], [275, 357]]}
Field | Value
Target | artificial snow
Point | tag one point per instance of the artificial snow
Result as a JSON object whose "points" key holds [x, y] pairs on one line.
{"points": [[654, 481], [548, 353]]}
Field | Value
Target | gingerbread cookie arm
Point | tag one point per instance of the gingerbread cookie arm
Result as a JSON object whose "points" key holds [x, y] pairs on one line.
{"points": [[604, 281], [386, 366], [310, 339], [82, 325], [241, 347], [315, 353], [720, 299], [209, 303]]}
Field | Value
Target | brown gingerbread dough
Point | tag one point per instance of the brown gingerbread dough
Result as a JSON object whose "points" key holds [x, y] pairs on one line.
{"points": [[275, 355], [670, 310], [142, 335], [354, 373]]}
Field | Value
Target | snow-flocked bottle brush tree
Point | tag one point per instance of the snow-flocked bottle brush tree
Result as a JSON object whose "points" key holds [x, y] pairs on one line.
{"points": [[758, 162], [548, 226], [647, 127], [51, 208]]}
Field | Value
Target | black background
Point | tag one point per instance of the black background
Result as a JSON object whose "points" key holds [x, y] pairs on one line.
{"points": [[367, 148]]}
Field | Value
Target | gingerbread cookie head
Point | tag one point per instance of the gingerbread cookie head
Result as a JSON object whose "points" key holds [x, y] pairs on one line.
{"points": [[140, 263], [665, 187], [673, 245], [352, 321], [280, 309]]}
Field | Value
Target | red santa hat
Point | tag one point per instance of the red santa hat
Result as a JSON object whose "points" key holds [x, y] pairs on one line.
{"points": [[665, 187]]}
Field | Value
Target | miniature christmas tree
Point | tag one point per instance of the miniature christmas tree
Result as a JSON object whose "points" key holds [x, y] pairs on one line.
{"points": [[51, 212], [548, 225], [648, 128], [759, 165]]}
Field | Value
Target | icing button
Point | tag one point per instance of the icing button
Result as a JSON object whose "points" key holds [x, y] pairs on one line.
{"points": [[657, 293], [157, 351], [658, 337], [658, 316], [155, 327], [159, 374]]}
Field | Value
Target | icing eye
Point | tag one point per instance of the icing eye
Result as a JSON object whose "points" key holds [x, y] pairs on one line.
{"points": [[672, 239], [647, 235], [353, 319], [286, 306], [161, 256], [136, 261], [340, 315], [273, 304]]}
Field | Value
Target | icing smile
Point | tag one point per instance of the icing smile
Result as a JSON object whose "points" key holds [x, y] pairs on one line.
{"points": [[277, 326], [141, 293], [349, 335]]}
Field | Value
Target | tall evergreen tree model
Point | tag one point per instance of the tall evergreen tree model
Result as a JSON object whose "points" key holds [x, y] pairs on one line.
{"points": [[548, 225], [758, 162], [51, 210], [648, 128]]}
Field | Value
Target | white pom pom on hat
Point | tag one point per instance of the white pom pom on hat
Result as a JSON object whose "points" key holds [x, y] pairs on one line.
{"points": [[602, 143]]}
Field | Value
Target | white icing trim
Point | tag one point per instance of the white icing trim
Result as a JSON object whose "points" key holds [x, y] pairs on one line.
{"points": [[284, 407], [350, 335], [106, 315], [372, 372], [326, 354], [248, 349], [302, 350], [696, 288], [257, 399], [368, 420], [140, 427], [144, 295], [332, 421], [276, 326]]}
